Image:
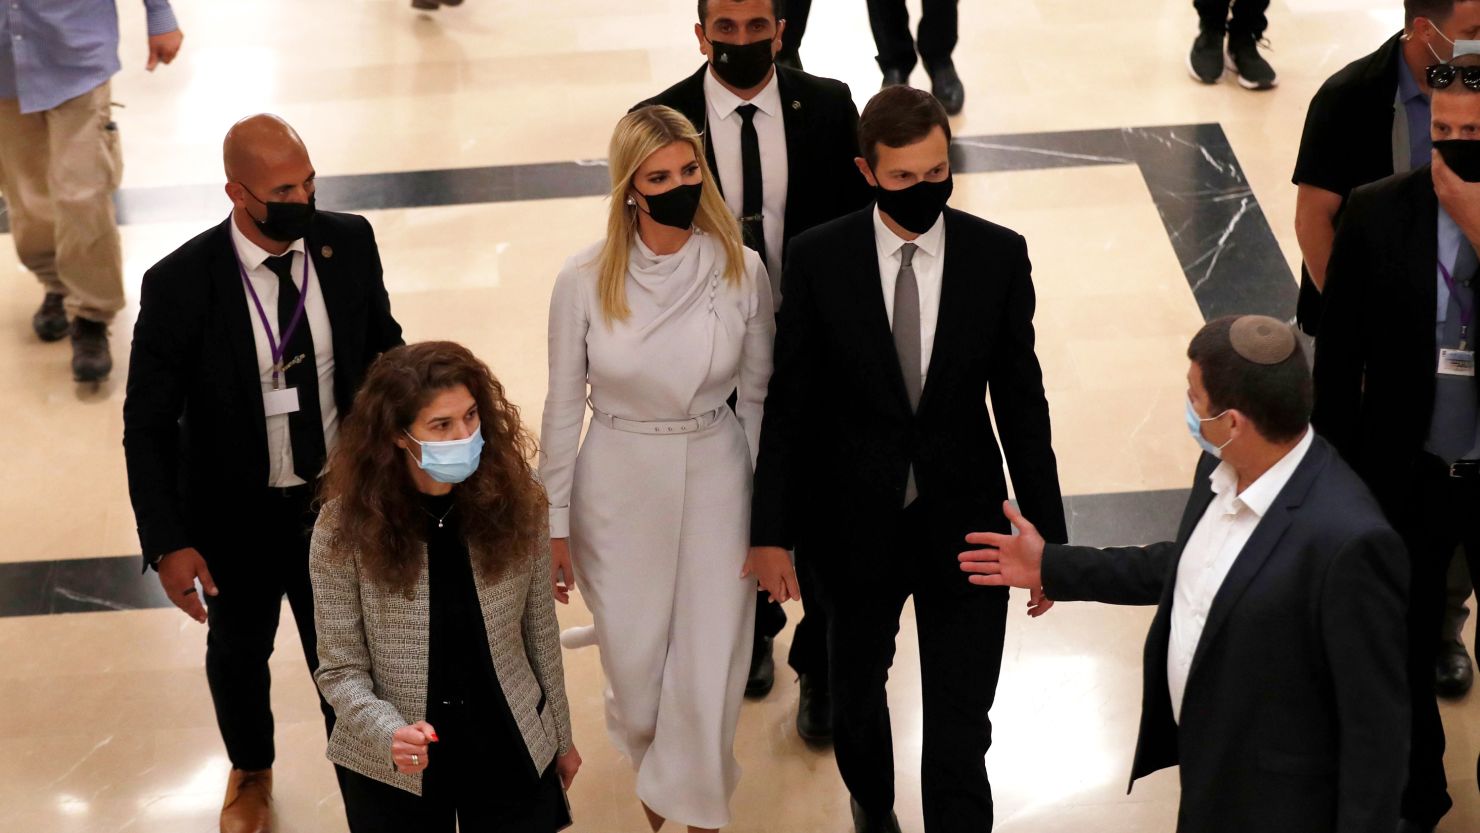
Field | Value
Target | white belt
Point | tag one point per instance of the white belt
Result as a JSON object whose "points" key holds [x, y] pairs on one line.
{"points": [[670, 426]]}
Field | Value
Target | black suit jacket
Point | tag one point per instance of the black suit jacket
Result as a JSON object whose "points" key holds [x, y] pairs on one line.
{"points": [[194, 435], [1295, 716], [1377, 354], [1348, 140], [821, 123], [838, 437]]}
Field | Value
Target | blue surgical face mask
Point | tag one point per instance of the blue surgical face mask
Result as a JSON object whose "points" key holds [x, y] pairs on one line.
{"points": [[1194, 427], [1461, 47], [452, 461]]}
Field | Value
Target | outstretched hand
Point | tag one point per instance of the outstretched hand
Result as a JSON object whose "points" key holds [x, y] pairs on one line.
{"points": [[1009, 560]]}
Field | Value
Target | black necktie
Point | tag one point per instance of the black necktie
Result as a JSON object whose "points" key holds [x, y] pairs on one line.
{"points": [[305, 425], [753, 196]]}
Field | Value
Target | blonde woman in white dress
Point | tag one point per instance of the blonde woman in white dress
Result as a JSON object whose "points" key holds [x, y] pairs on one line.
{"points": [[656, 326]]}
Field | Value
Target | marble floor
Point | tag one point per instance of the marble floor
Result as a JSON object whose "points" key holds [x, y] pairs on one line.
{"points": [[467, 137]]}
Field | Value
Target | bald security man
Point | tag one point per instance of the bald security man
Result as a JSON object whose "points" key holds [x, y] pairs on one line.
{"points": [[250, 343], [1275, 664]]}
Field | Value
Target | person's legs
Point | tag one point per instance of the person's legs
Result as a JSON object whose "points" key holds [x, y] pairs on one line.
{"points": [[375, 807], [797, 12], [294, 529], [1453, 671], [1248, 18], [242, 622], [1212, 14], [86, 168], [770, 619], [25, 165], [890, 22], [937, 34]]}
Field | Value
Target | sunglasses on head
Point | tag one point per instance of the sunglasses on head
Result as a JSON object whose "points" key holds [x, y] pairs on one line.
{"points": [[1442, 75]]}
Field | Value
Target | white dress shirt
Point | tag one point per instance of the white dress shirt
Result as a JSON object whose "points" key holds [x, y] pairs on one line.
{"points": [[929, 263], [770, 129], [316, 316], [1212, 549]]}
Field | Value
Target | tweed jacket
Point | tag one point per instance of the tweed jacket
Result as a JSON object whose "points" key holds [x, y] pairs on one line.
{"points": [[373, 656]]}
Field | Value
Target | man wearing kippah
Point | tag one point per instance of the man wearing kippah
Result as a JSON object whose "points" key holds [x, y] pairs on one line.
{"points": [[1274, 671], [1395, 381]]}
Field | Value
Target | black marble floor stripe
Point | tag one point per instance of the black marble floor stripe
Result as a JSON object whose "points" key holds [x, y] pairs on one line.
{"points": [[1212, 218], [85, 585]]}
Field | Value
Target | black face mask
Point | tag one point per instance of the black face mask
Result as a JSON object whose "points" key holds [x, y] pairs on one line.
{"points": [[675, 207], [742, 65], [918, 206], [286, 221], [1462, 156]]}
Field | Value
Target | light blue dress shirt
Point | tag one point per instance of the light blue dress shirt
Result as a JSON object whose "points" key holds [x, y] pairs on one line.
{"points": [[52, 51], [1454, 431]]}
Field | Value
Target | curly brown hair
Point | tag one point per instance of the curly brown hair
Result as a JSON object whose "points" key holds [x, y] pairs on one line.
{"points": [[502, 505]]}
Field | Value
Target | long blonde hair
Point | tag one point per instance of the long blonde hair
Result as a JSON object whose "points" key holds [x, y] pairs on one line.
{"points": [[640, 134]]}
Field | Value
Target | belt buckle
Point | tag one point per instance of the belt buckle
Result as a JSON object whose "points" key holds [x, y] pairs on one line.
{"points": [[1463, 469]]}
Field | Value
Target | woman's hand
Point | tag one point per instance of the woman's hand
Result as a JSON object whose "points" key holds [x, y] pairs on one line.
{"points": [[409, 746], [562, 573], [566, 766], [772, 567]]}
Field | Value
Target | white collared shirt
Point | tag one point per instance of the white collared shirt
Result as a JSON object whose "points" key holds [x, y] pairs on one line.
{"points": [[724, 137], [316, 315], [1215, 544], [929, 264]]}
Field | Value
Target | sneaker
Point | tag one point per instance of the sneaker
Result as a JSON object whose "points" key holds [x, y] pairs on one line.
{"points": [[91, 360], [1205, 61], [50, 320], [1254, 73]]}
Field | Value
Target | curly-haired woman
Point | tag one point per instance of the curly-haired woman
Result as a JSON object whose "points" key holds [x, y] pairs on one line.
{"points": [[438, 644]]}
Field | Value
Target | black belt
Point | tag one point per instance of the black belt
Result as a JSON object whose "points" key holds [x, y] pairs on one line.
{"points": [[1464, 470]]}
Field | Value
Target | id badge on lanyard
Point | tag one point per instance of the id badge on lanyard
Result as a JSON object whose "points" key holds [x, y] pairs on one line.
{"points": [[1457, 361], [279, 400]]}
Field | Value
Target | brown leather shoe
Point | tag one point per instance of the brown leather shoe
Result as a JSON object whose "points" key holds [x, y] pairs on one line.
{"points": [[248, 804]]}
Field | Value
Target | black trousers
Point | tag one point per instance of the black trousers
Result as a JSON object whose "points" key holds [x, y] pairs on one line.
{"points": [[808, 653], [890, 21], [1445, 517], [797, 12], [1247, 18], [961, 628], [477, 780], [265, 559]]}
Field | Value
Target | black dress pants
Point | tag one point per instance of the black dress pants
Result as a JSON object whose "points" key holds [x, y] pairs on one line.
{"points": [[890, 21], [809, 641], [1247, 19], [256, 564], [477, 780], [797, 12], [1445, 517], [960, 627]]}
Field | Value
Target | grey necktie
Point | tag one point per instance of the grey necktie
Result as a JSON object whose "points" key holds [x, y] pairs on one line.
{"points": [[1452, 432], [907, 339]]}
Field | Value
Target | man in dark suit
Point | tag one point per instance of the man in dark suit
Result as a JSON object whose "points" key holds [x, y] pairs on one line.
{"points": [[1274, 670], [877, 452], [251, 341], [890, 22], [781, 144], [1368, 121], [1395, 383]]}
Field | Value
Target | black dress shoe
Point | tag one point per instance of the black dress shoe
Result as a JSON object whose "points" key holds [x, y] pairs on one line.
{"points": [[50, 320], [895, 78], [91, 361], [864, 822], [762, 670], [1453, 673], [426, 5], [814, 712], [947, 88]]}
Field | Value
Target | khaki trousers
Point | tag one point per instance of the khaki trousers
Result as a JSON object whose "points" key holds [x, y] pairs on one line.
{"points": [[58, 171]]}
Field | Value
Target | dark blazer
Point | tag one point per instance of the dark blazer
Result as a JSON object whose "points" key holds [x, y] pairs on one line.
{"points": [[838, 437], [1348, 140], [821, 123], [194, 436], [1295, 716], [1375, 359]]}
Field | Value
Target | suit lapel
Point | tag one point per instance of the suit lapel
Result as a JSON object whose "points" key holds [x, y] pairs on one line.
{"points": [[864, 304], [794, 114], [332, 283], [956, 311], [1423, 248], [692, 102], [236, 321]]}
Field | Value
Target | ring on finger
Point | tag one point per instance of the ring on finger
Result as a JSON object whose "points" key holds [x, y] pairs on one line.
{"points": [[416, 760]]}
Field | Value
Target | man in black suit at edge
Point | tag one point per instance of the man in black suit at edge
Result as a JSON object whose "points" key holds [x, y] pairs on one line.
{"points": [[1395, 381], [781, 144], [251, 341], [877, 454], [1275, 665]]}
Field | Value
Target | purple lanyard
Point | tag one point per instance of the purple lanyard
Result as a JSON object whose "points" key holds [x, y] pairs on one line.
{"points": [[275, 348]]}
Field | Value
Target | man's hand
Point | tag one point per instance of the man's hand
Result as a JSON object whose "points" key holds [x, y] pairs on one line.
{"points": [[178, 572], [566, 766], [409, 746], [772, 567], [1009, 560], [164, 48], [1461, 200], [562, 572]]}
